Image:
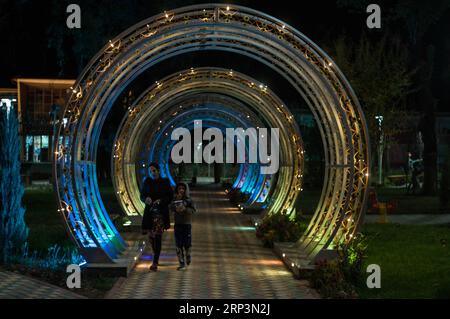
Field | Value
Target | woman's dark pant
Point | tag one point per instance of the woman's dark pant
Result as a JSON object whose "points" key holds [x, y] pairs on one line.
{"points": [[156, 243]]}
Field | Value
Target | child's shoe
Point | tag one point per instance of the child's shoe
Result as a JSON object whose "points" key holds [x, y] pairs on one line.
{"points": [[188, 256]]}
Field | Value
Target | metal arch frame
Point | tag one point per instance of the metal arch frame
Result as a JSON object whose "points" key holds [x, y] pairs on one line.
{"points": [[214, 116], [156, 153], [163, 98], [212, 104], [213, 27], [130, 182]]}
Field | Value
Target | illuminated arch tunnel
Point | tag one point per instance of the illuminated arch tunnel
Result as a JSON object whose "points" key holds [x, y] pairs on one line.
{"points": [[218, 98], [211, 27]]}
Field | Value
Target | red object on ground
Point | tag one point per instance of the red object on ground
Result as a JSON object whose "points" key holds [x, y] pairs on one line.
{"points": [[374, 204]]}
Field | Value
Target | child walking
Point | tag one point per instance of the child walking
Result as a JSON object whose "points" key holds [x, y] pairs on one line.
{"points": [[183, 208]]}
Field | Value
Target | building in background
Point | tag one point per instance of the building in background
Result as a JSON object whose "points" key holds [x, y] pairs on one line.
{"points": [[39, 102]]}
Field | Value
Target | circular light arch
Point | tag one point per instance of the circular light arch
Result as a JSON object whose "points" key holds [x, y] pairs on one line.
{"points": [[161, 101], [212, 27]]}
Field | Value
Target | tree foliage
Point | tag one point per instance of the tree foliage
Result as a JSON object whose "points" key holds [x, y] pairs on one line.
{"points": [[13, 230], [378, 72]]}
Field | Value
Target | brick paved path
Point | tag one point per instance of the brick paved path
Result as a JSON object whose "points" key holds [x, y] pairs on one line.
{"points": [[227, 261], [16, 286]]}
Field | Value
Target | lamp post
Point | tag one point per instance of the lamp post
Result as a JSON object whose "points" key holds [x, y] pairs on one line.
{"points": [[53, 116], [380, 148]]}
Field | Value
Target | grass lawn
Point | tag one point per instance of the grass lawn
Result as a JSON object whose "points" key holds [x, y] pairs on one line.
{"points": [[414, 260], [46, 229], [45, 223]]}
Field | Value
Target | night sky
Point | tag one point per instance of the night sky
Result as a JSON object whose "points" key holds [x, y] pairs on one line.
{"points": [[37, 43]]}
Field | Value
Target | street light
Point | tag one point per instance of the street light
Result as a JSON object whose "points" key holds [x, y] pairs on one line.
{"points": [[53, 116], [380, 147]]}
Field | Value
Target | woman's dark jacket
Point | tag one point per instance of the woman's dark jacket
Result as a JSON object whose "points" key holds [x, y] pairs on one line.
{"points": [[156, 189]]}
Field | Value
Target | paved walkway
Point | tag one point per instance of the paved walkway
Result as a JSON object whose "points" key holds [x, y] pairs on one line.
{"points": [[228, 261], [16, 286], [425, 219]]}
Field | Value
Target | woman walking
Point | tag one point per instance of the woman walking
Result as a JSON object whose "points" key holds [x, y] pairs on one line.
{"points": [[157, 194]]}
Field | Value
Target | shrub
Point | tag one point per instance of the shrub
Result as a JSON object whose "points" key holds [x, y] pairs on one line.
{"points": [[338, 278], [237, 197], [351, 258], [56, 258], [13, 230], [329, 280], [279, 228]]}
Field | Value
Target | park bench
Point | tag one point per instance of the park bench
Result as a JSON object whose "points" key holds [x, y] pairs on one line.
{"points": [[398, 180]]}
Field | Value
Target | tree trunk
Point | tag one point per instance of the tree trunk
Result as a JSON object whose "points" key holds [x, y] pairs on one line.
{"points": [[380, 163], [427, 127]]}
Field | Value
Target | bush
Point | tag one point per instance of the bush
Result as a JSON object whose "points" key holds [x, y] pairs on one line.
{"points": [[55, 259], [13, 230], [237, 197], [280, 228], [338, 278], [329, 280], [351, 259]]}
